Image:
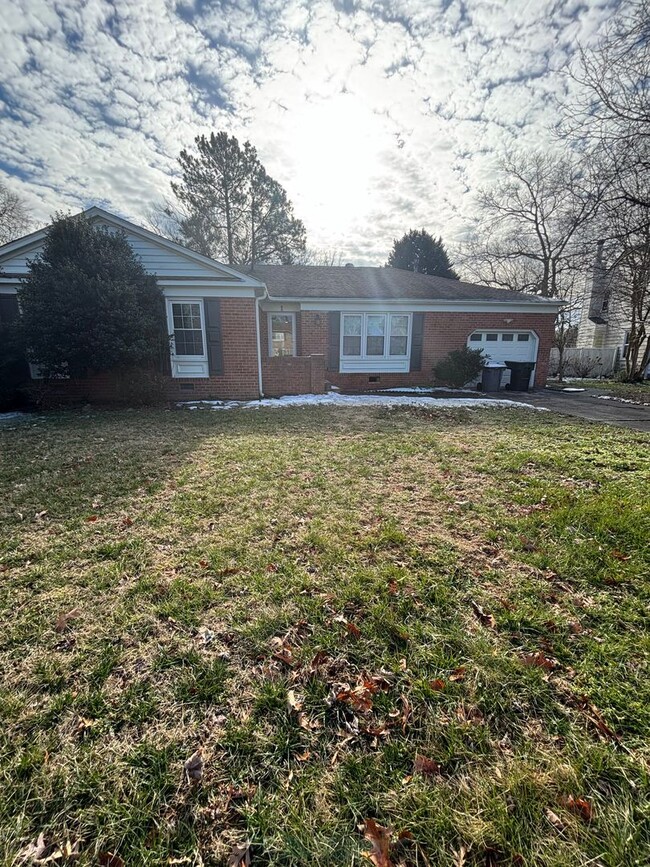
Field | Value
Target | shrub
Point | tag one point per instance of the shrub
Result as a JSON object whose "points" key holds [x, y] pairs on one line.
{"points": [[459, 367], [88, 305]]}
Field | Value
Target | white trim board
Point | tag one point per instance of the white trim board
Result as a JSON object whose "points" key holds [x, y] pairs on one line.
{"points": [[371, 304]]}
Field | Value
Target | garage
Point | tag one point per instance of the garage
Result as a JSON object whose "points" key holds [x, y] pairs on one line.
{"points": [[506, 346]]}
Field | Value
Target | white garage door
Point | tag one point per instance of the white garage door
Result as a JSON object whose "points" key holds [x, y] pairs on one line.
{"points": [[506, 346]]}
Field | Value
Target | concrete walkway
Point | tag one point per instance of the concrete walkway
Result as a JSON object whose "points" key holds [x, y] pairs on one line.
{"points": [[585, 404]]}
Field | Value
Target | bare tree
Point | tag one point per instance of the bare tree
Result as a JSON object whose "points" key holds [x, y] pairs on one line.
{"points": [[535, 227], [15, 218], [320, 256], [629, 300], [165, 219], [611, 113]]}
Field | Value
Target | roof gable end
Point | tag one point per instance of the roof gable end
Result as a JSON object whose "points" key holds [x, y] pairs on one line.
{"points": [[160, 256]]}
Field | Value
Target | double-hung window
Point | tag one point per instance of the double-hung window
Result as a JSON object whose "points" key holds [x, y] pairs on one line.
{"points": [[375, 342], [187, 327]]}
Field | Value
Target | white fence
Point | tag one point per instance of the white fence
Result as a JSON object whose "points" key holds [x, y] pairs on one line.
{"points": [[586, 362]]}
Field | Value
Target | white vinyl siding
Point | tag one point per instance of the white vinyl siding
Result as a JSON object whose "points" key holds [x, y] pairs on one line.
{"points": [[186, 323], [375, 342]]}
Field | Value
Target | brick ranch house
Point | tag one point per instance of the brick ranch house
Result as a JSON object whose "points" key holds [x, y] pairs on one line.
{"points": [[274, 330]]}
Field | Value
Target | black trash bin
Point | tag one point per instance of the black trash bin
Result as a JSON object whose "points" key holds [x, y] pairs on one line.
{"points": [[491, 378], [519, 374]]}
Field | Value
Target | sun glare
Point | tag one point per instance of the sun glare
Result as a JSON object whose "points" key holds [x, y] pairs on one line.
{"points": [[337, 147]]}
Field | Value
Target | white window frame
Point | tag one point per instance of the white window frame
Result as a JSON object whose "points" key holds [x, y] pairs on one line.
{"points": [[270, 315], [187, 366], [385, 363]]}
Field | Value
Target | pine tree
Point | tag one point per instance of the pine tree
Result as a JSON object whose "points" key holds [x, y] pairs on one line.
{"points": [[233, 210], [419, 251]]}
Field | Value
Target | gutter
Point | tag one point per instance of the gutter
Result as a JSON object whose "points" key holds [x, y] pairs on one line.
{"points": [[260, 381]]}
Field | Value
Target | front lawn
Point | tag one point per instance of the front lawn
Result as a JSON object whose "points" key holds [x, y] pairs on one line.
{"points": [[430, 622], [638, 392]]}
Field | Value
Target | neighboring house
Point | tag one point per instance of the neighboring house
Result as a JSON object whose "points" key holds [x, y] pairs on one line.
{"points": [[274, 329], [604, 318]]}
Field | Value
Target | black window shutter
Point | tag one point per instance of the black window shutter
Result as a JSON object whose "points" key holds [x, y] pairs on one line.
{"points": [[9, 312], [17, 371], [333, 340], [417, 334], [212, 308]]}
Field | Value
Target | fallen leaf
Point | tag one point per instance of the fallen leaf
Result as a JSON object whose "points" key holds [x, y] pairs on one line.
{"points": [[284, 652], [293, 702], [458, 674], [91, 519], [619, 555], [437, 684], [426, 767], [306, 723], [84, 724], [359, 700], [203, 564], [379, 839], [303, 757], [579, 806], [353, 630], [320, 658], [240, 856], [109, 859], [127, 522], [539, 660], [575, 628], [554, 819], [485, 617], [63, 620], [41, 852], [194, 766], [393, 588]]}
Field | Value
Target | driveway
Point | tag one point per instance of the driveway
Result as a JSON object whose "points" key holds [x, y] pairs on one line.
{"points": [[586, 404]]}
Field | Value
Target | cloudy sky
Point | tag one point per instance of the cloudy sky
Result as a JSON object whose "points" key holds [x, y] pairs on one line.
{"points": [[376, 115]]}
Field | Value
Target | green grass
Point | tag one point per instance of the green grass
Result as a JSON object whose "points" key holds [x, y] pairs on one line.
{"points": [[639, 392], [291, 593]]}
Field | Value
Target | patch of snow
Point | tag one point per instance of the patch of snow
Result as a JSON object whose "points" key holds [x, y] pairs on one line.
{"points": [[333, 399], [426, 389], [572, 389], [16, 416], [619, 399]]}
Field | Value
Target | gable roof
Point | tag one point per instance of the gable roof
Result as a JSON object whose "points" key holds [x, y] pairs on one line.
{"points": [[325, 282], [189, 263]]}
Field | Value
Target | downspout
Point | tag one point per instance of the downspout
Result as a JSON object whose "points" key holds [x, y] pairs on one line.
{"points": [[260, 382]]}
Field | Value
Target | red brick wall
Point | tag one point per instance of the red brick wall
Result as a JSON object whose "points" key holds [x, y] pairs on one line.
{"points": [[442, 333], [292, 374], [239, 380], [306, 373]]}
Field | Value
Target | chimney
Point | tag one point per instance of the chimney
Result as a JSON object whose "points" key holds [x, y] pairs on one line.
{"points": [[599, 296]]}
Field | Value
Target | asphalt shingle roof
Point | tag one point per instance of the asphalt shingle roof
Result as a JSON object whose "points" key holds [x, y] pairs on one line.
{"points": [[321, 281]]}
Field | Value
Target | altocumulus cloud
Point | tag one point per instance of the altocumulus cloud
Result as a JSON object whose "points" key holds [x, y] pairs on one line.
{"points": [[376, 116]]}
